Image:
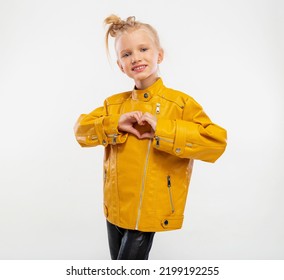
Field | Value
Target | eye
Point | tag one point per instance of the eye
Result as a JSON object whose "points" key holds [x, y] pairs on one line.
{"points": [[144, 49], [125, 54]]}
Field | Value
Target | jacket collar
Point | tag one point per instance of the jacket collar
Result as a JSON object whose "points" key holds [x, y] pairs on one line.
{"points": [[147, 93]]}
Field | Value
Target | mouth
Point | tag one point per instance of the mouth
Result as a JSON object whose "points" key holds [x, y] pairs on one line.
{"points": [[139, 68]]}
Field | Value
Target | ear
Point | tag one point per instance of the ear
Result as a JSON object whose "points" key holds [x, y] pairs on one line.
{"points": [[120, 66], [160, 56]]}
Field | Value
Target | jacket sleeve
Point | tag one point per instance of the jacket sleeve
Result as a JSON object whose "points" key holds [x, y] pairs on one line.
{"points": [[98, 128], [194, 136]]}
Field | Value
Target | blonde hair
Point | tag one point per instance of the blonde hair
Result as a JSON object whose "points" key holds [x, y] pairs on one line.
{"points": [[117, 26]]}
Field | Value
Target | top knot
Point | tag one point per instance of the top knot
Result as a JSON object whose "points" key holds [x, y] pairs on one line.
{"points": [[118, 25]]}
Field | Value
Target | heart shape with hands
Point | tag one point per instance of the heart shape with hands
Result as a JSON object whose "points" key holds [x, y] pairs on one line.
{"points": [[142, 125]]}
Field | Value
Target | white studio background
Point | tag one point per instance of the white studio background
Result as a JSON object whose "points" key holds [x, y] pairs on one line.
{"points": [[53, 66]]}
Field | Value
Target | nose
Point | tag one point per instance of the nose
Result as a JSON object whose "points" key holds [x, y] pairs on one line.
{"points": [[136, 57]]}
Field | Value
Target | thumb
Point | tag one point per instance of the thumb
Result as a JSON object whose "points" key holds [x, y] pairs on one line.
{"points": [[148, 134], [134, 131]]}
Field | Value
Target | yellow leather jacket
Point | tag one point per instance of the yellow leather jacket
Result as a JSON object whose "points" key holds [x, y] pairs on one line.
{"points": [[146, 181]]}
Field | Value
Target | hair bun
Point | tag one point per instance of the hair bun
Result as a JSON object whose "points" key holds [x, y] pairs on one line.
{"points": [[117, 24]]}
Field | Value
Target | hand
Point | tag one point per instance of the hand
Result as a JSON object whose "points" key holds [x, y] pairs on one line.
{"points": [[126, 122], [139, 124], [146, 120], [150, 119]]}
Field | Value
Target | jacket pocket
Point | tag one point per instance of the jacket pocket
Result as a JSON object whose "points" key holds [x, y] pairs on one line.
{"points": [[169, 183]]}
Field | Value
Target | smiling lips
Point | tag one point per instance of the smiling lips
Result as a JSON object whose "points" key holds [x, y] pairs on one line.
{"points": [[139, 68]]}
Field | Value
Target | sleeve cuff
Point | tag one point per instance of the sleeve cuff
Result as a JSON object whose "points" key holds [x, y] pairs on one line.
{"points": [[111, 130]]}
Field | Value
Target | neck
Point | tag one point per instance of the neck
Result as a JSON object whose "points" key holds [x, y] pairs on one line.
{"points": [[143, 84]]}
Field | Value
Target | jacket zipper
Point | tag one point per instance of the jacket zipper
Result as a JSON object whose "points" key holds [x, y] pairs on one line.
{"points": [[170, 193], [158, 139], [143, 184], [158, 108], [144, 174], [113, 136]]}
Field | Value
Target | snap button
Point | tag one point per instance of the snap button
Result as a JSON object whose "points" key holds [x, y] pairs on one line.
{"points": [[178, 150], [146, 95]]}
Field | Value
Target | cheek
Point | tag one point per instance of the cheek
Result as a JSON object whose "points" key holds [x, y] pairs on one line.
{"points": [[124, 62], [121, 63], [154, 57]]}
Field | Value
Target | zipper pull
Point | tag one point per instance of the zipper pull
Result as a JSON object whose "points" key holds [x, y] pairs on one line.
{"points": [[169, 181], [114, 139], [158, 108], [157, 141]]}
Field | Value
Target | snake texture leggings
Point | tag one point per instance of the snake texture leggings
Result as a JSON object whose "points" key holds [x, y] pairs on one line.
{"points": [[125, 244]]}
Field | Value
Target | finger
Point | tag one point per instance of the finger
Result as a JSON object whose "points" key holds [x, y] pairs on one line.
{"points": [[140, 114], [147, 135], [137, 115], [133, 131], [149, 118]]}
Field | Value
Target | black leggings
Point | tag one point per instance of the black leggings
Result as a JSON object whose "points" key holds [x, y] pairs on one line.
{"points": [[126, 244]]}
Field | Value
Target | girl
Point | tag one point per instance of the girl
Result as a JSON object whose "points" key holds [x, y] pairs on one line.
{"points": [[151, 134]]}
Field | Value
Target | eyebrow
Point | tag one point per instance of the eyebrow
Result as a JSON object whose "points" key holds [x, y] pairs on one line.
{"points": [[123, 51], [139, 46]]}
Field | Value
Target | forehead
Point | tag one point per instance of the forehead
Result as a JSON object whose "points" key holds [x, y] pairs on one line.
{"points": [[130, 39]]}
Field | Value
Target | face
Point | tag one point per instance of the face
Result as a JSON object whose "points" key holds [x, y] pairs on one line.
{"points": [[138, 57]]}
